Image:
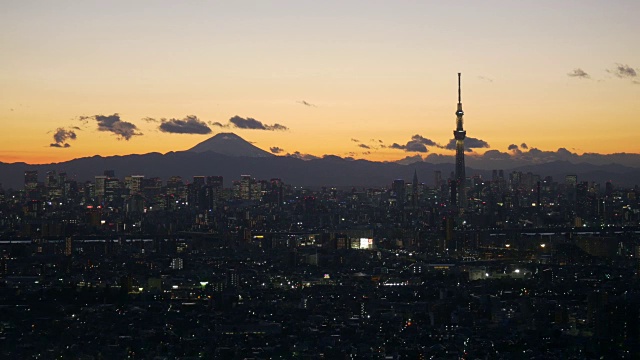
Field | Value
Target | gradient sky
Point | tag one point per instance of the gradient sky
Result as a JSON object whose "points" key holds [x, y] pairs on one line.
{"points": [[330, 71]]}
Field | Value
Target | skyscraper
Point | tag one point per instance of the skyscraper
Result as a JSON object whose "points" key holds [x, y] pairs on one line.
{"points": [[414, 190], [459, 135], [100, 186], [397, 192], [245, 187]]}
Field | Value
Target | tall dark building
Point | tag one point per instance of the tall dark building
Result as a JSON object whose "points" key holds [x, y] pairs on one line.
{"points": [[397, 192], [414, 190], [217, 185], [459, 135], [438, 180]]}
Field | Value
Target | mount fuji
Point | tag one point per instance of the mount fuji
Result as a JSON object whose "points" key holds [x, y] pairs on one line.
{"points": [[230, 144]]}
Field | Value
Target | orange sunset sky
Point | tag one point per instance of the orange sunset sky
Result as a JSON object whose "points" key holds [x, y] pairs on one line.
{"points": [[550, 74]]}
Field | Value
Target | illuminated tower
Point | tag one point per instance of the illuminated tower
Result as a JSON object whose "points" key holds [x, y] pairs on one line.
{"points": [[459, 135]]}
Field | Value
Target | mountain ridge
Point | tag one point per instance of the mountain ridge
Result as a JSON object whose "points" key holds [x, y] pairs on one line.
{"points": [[329, 170]]}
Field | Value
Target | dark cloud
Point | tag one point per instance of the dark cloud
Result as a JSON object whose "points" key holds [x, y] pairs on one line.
{"points": [[112, 123], [276, 150], [440, 158], [417, 143], [469, 144], [189, 125], [299, 155], [495, 159], [248, 123], [85, 119], [305, 103], [410, 159], [524, 146], [564, 152], [253, 124], [530, 156], [579, 73], [473, 143], [277, 127], [364, 146], [424, 140], [497, 155], [61, 137], [76, 128], [415, 147], [484, 78], [515, 149], [355, 140], [150, 119], [623, 71]]}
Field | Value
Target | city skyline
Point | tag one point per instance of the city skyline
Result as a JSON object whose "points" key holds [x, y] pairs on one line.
{"points": [[369, 80]]}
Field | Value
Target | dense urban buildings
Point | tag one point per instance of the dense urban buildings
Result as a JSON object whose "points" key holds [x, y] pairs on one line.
{"points": [[137, 267]]}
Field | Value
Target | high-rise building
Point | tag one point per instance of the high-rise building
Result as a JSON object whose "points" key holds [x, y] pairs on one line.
{"points": [[438, 179], [51, 179], [100, 185], [276, 193], [30, 179], [245, 187], [414, 189], [62, 178], [112, 191], [571, 181], [459, 133], [134, 183], [216, 183], [198, 181], [397, 192]]}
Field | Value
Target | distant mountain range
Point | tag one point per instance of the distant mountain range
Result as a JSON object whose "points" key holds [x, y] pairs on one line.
{"points": [[230, 156]]}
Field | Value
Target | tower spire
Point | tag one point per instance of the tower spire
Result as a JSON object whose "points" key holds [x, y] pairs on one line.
{"points": [[459, 92]]}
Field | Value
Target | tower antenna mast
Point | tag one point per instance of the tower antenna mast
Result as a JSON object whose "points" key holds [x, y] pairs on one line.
{"points": [[459, 96]]}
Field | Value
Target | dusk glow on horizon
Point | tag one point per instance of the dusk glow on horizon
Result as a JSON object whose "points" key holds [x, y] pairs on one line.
{"points": [[370, 80]]}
